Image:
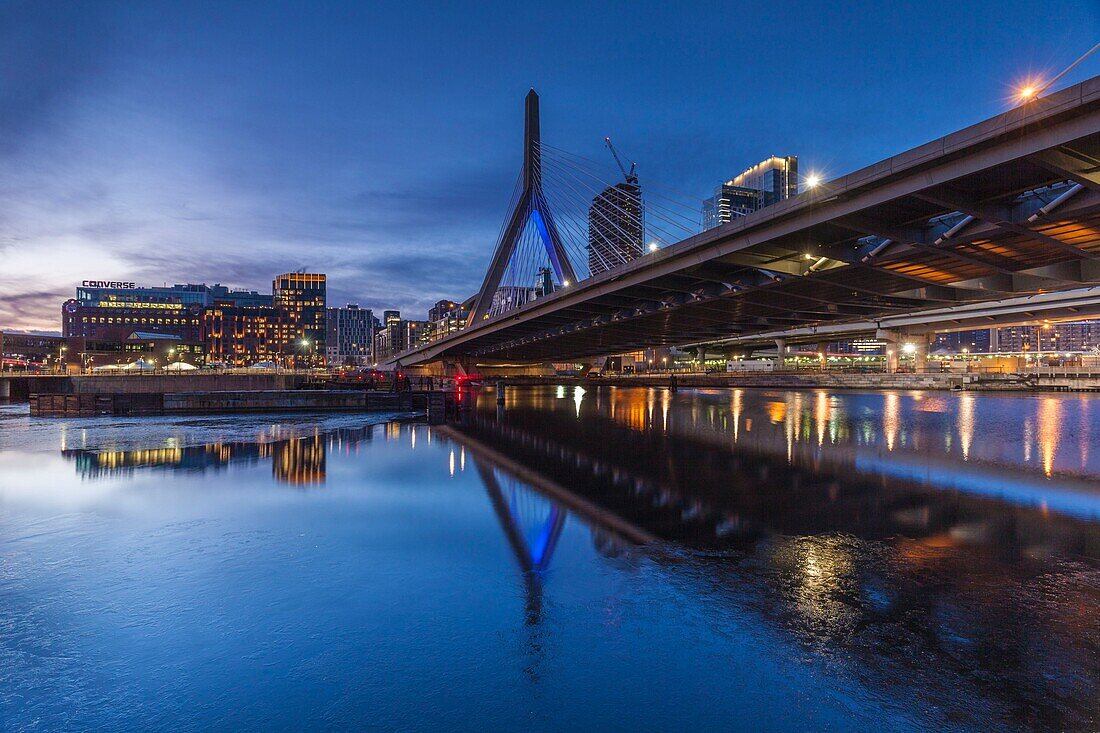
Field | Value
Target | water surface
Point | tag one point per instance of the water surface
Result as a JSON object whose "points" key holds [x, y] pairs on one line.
{"points": [[621, 559]]}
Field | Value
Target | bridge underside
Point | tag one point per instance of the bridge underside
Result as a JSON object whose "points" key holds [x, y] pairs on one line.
{"points": [[1007, 207]]}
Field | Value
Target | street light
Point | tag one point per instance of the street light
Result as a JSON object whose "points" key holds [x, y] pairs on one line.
{"points": [[1030, 90], [813, 180]]}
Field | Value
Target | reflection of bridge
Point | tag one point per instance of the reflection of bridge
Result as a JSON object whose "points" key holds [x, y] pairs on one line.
{"points": [[834, 557], [1007, 207], [631, 484]]}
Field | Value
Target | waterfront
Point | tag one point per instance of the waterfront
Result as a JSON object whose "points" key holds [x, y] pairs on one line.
{"points": [[815, 560]]}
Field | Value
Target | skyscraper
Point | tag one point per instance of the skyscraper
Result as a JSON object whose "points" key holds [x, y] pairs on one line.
{"points": [[615, 227], [766, 183], [302, 296]]}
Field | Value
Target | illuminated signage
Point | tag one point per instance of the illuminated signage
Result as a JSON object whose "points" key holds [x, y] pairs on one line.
{"points": [[107, 284], [130, 304]]}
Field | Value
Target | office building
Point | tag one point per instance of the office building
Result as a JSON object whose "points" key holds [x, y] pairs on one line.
{"points": [[768, 182], [302, 295], [615, 227], [447, 317], [399, 336], [111, 311], [350, 335], [729, 202], [242, 336], [22, 350], [957, 342]]}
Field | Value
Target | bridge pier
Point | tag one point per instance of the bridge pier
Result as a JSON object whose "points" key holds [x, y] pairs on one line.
{"points": [[5, 389], [920, 351], [891, 339], [823, 354], [781, 352]]}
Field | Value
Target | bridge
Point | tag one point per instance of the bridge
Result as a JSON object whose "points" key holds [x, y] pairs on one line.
{"points": [[1005, 208]]}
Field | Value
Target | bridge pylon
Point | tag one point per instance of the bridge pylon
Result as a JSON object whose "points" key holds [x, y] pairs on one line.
{"points": [[531, 207]]}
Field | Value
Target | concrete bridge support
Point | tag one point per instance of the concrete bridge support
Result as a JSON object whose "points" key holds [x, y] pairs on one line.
{"points": [[920, 343], [781, 352], [891, 339]]}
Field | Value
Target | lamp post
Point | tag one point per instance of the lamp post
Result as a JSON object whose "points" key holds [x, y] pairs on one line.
{"points": [[307, 344]]}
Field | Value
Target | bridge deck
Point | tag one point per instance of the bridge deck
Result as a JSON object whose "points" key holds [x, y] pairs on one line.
{"points": [[876, 242]]}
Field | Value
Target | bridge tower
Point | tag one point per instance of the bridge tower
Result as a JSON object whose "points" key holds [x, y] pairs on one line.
{"points": [[531, 207]]}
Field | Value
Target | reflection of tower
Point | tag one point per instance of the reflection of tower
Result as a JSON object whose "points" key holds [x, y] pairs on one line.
{"points": [[299, 461], [532, 525]]}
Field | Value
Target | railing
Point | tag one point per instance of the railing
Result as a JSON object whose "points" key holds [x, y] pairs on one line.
{"points": [[1067, 371]]}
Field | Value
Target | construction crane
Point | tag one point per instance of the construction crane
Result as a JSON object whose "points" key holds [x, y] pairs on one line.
{"points": [[630, 177]]}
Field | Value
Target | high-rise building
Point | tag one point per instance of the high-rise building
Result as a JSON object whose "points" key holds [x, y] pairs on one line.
{"points": [[766, 183], [390, 317], [350, 335], [1050, 337], [302, 296], [615, 228]]}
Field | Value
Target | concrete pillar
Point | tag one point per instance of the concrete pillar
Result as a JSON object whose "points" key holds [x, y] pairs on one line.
{"points": [[823, 355], [5, 389], [891, 339], [920, 351], [781, 352], [994, 340]]}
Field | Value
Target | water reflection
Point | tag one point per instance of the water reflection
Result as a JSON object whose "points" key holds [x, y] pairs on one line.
{"points": [[941, 548], [297, 460], [958, 571]]}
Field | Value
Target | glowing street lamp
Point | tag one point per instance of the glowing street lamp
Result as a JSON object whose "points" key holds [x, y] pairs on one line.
{"points": [[1027, 93], [1031, 89], [813, 180]]}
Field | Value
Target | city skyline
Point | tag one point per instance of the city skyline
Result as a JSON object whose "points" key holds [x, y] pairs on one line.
{"points": [[133, 154]]}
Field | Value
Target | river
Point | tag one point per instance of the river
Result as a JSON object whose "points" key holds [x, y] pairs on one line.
{"points": [[591, 558]]}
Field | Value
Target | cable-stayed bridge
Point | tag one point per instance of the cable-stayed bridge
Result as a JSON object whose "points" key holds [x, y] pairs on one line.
{"points": [[585, 266]]}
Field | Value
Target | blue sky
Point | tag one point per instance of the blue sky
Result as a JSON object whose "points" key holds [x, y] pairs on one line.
{"points": [[378, 142]]}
